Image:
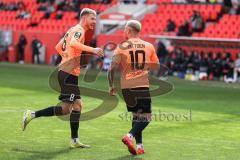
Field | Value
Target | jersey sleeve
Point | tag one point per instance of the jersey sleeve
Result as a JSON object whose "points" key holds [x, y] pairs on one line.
{"points": [[76, 42], [77, 37]]}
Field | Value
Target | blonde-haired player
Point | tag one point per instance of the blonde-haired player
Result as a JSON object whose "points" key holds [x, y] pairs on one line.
{"points": [[133, 58], [70, 48]]}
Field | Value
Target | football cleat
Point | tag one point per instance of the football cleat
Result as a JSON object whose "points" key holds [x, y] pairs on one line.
{"points": [[26, 119], [78, 145], [129, 143], [140, 151]]}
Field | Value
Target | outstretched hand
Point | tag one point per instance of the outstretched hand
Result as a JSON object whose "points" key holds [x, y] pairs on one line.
{"points": [[98, 51]]}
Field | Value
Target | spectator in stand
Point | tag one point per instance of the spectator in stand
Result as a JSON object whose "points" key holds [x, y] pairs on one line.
{"points": [[76, 5], [203, 66], [228, 69], [11, 7], [210, 65], [235, 7], [86, 1], [188, 65], [161, 52], [225, 63], [130, 1], [22, 42], [69, 6], [183, 30], [196, 22], [171, 62], [23, 14], [190, 58], [21, 5], [52, 2], [109, 1], [237, 3], [227, 5], [237, 67], [41, 1], [238, 10], [170, 26], [217, 67], [47, 8], [60, 4], [179, 67], [237, 62], [36, 45], [58, 15], [183, 64], [1, 6], [196, 62], [42, 7]]}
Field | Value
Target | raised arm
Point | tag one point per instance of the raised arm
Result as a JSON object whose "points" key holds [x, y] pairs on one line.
{"points": [[76, 43]]}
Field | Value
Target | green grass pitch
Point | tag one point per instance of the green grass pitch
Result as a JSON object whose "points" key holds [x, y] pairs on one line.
{"points": [[212, 132]]}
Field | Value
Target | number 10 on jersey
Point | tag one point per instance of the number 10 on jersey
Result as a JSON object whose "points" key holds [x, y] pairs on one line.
{"points": [[135, 64]]}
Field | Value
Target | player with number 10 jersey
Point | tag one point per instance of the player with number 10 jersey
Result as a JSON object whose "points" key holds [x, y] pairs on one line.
{"points": [[134, 57]]}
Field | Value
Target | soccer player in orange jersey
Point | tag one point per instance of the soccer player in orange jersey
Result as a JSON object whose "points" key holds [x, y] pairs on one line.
{"points": [[134, 58], [70, 48]]}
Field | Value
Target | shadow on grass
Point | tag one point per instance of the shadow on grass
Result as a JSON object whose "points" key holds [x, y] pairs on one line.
{"points": [[128, 157], [40, 155]]}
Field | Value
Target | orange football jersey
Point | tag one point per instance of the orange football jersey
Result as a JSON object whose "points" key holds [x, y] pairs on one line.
{"points": [[134, 57], [70, 62]]}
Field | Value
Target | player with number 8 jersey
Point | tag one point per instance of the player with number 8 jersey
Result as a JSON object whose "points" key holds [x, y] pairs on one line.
{"points": [[70, 48]]}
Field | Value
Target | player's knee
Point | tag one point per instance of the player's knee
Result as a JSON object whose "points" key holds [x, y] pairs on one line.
{"points": [[77, 106], [142, 117], [78, 102], [66, 108], [147, 117]]}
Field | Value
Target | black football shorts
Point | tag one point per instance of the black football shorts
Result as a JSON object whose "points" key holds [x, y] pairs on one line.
{"points": [[69, 87], [137, 99]]}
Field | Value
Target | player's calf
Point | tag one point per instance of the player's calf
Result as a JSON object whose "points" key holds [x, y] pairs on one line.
{"points": [[74, 119], [140, 122], [46, 112]]}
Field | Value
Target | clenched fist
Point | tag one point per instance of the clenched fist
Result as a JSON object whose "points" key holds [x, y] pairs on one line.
{"points": [[98, 51]]}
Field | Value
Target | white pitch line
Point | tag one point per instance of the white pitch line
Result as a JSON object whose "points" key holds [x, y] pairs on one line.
{"points": [[11, 110]]}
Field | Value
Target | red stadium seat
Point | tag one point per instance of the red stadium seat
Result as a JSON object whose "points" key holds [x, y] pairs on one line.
{"points": [[180, 12]]}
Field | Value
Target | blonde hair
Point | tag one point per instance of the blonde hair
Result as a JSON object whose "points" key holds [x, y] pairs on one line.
{"points": [[86, 11], [134, 25]]}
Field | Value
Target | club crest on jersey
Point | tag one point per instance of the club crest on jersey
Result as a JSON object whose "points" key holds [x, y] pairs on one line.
{"points": [[77, 35]]}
